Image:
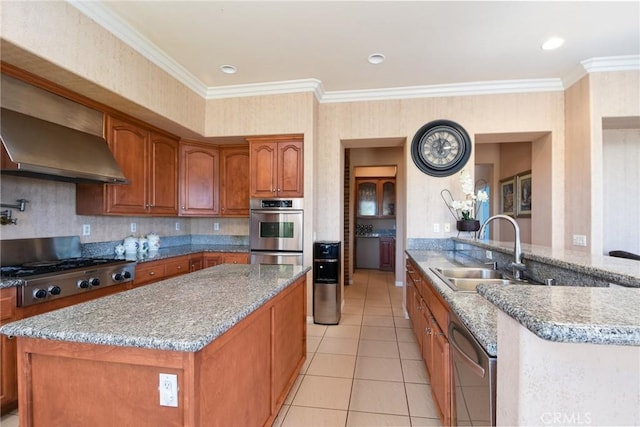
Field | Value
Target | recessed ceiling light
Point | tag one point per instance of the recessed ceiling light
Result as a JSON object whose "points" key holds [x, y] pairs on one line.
{"points": [[552, 43], [376, 58], [228, 69]]}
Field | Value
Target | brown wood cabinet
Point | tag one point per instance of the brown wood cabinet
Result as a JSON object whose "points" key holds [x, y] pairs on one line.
{"points": [[9, 380], [429, 315], [387, 253], [276, 166], [376, 197], [149, 160], [195, 262], [199, 179], [211, 259], [234, 181]]}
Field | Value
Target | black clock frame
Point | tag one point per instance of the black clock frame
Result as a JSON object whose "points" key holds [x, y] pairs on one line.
{"points": [[417, 146]]}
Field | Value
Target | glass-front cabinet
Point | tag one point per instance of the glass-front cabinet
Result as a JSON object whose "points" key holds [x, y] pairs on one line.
{"points": [[376, 197]]}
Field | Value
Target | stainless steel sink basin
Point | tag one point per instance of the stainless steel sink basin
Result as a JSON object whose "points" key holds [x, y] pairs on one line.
{"points": [[466, 279], [470, 273], [469, 285]]}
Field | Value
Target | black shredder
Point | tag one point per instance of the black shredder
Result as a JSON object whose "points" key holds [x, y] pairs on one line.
{"points": [[326, 283]]}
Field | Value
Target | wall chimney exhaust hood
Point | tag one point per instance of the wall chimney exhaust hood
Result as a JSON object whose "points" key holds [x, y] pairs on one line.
{"points": [[42, 149], [47, 136]]}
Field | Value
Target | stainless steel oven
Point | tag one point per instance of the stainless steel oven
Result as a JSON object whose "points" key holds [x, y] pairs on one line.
{"points": [[276, 231]]}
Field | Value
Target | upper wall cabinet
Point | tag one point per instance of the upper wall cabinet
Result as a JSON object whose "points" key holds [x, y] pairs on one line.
{"points": [[376, 197], [276, 166], [149, 160], [234, 181], [199, 179]]}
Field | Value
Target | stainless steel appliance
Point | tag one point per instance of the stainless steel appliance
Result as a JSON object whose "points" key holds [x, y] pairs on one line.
{"points": [[53, 268], [327, 294], [474, 378], [276, 230]]}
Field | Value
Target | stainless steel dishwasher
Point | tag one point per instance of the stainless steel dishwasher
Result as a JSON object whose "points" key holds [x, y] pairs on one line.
{"points": [[473, 397]]}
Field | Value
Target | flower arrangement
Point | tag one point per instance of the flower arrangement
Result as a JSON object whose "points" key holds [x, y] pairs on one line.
{"points": [[466, 209]]}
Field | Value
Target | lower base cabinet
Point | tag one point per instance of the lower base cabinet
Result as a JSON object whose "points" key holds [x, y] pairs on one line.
{"points": [[240, 379], [429, 319]]}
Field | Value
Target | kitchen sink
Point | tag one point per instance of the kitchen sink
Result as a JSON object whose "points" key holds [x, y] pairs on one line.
{"points": [[466, 279], [470, 273]]}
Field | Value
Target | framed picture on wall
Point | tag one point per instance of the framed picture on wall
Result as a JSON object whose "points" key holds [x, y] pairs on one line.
{"points": [[523, 204], [508, 196]]}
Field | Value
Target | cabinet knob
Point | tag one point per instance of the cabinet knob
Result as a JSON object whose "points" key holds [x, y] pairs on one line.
{"points": [[182, 207], [179, 267], [152, 273], [427, 331]]}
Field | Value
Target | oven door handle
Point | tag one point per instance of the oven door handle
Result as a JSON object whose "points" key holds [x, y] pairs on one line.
{"points": [[477, 369], [274, 212]]}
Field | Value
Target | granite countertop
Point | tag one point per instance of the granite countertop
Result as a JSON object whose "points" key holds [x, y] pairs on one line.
{"points": [[478, 314], [184, 313], [571, 314]]}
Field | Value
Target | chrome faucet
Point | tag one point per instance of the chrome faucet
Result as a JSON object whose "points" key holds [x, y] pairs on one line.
{"points": [[517, 264]]}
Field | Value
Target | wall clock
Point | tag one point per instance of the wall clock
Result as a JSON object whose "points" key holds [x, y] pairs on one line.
{"points": [[441, 148]]}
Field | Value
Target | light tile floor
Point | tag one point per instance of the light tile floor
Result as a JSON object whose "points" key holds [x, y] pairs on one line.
{"points": [[366, 371]]}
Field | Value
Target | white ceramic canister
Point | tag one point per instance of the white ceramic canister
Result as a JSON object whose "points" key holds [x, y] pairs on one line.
{"points": [[143, 245], [120, 250], [130, 245], [154, 241]]}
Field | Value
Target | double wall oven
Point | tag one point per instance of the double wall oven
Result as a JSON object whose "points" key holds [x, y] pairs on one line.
{"points": [[276, 229]]}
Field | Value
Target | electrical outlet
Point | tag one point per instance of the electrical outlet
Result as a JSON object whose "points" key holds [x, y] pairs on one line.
{"points": [[447, 227], [216, 226], [177, 226], [86, 229], [488, 254], [436, 227], [134, 227], [579, 240], [168, 390]]}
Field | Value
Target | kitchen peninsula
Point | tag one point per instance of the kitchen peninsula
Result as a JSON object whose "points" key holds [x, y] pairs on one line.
{"points": [[566, 354], [233, 335]]}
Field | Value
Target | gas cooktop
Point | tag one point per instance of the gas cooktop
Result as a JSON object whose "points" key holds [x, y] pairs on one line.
{"points": [[38, 268]]}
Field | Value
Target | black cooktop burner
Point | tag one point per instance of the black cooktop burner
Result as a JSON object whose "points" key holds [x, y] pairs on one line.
{"points": [[44, 267]]}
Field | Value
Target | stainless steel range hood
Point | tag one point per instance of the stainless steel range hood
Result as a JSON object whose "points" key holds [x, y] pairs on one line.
{"points": [[45, 135]]}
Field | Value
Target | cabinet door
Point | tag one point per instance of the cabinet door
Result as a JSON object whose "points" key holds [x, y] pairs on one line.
{"points": [[367, 194], [387, 254], [211, 259], [195, 262], [199, 176], [163, 182], [263, 168], [387, 190], [9, 380], [234, 181], [130, 147], [290, 169], [440, 375]]}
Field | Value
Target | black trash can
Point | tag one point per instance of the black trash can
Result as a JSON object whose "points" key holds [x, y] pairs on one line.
{"points": [[327, 293]]}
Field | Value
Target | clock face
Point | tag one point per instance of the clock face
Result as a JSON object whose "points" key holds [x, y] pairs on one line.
{"points": [[441, 148]]}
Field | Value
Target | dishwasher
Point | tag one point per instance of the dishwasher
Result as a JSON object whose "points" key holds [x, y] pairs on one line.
{"points": [[474, 378]]}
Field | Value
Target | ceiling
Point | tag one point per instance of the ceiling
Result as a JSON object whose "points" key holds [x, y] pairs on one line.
{"points": [[429, 45]]}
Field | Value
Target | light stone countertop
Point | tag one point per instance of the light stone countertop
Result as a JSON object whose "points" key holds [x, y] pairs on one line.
{"points": [[184, 313], [572, 314]]}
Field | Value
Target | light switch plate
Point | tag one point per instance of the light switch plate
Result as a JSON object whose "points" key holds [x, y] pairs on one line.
{"points": [[579, 240], [168, 390]]}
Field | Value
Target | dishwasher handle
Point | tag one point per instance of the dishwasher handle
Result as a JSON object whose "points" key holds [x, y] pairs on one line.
{"points": [[472, 364]]}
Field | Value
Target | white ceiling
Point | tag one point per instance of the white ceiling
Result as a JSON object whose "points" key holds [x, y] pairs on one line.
{"points": [[430, 46]]}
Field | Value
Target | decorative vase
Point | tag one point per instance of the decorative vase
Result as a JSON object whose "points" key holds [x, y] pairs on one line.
{"points": [[468, 225]]}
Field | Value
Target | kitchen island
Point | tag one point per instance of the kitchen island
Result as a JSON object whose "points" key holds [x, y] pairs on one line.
{"points": [[234, 336]]}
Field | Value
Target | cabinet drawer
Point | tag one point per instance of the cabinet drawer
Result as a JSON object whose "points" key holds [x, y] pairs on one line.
{"points": [[440, 313], [149, 272], [176, 266], [230, 258]]}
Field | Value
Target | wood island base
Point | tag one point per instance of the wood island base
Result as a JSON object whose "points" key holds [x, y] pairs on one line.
{"points": [[240, 378]]}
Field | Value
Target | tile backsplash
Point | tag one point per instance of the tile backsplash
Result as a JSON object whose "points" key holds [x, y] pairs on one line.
{"points": [[51, 212]]}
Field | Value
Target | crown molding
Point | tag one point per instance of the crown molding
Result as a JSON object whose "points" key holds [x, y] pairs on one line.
{"points": [[123, 31], [611, 63], [268, 88]]}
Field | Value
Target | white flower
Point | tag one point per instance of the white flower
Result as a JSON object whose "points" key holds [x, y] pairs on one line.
{"points": [[466, 209], [482, 196]]}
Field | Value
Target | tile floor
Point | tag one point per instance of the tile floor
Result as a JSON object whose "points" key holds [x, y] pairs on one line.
{"points": [[366, 371]]}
